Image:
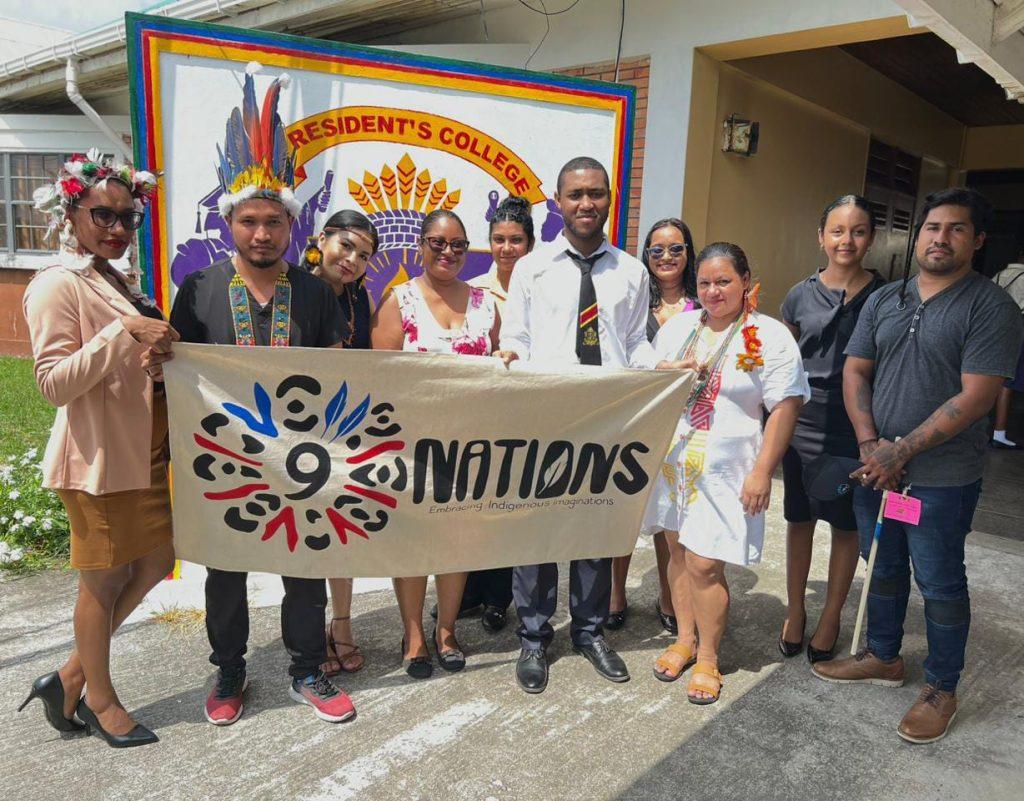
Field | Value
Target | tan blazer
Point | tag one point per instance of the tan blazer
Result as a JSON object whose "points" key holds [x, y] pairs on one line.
{"points": [[90, 368]]}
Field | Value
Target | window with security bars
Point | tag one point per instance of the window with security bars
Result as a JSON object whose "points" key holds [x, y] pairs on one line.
{"points": [[891, 182], [22, 228]]}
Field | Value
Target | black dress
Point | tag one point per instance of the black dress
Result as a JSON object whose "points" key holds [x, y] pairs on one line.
{"points": [[826, 322], [354, 301]]}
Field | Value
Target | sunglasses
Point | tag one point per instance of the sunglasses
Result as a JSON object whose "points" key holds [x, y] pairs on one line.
{"points": [[674, 251], [438, 244], [107, 218]]}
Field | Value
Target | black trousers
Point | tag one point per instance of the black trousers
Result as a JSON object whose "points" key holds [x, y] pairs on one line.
{"points": [[302, 621], [536, 592], [488, 587]]}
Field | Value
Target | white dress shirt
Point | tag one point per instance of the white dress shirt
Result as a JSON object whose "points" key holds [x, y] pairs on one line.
{"points": [[539, 320]]}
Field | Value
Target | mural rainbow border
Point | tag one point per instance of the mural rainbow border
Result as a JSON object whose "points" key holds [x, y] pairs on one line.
{"points": [[149, 36]]}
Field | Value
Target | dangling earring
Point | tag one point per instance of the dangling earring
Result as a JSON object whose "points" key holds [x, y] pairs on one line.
{"points": [[312, 256]]}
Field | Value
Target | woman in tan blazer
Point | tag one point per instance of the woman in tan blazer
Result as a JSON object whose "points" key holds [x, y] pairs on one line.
{"points": [[97, 348]]}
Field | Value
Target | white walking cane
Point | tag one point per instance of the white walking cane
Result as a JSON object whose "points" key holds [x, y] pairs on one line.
{"points": [[867, 579], [871, 569]]}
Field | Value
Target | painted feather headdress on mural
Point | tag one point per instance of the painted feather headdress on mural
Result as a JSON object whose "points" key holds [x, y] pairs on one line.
{"points": [[255, 160]]}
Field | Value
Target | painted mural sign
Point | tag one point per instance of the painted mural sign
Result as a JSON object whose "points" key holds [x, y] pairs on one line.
{"points": [[393, 134], [321, 462]]}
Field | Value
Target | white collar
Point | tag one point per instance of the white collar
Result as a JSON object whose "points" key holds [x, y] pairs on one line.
{"points": [[563, 245]]}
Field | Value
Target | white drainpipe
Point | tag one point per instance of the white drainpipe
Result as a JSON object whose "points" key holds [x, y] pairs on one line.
{"points": [[75, 97]]}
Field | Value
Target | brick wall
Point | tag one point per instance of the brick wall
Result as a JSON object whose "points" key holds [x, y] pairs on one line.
{"points": [[635, 72]]}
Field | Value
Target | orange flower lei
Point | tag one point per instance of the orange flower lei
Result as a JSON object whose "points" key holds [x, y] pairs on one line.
{"points": [[752, 358]]}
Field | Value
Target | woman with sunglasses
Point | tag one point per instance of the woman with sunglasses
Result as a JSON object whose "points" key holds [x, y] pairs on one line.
{"points": [[97, 345], [340, 256], [436, 313], [668, 255]]}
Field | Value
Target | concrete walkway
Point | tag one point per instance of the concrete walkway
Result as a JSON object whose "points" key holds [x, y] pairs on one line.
{"points": [[777, 733]]}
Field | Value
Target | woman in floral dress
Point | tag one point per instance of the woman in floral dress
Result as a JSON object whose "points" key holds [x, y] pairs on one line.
{"points": [[436, 313]]}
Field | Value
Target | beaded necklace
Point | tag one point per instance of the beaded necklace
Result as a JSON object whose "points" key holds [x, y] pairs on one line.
{"points": [[706, 370], [241, 313]]}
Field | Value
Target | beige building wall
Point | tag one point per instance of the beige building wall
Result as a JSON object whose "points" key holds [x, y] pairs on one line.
{"points": [[814, 136], [769, 203], [998, 147]]}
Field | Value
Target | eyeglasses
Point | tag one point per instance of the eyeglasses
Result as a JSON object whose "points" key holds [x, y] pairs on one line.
{"points": [[438, 244], [675, 251], [107, 218]]}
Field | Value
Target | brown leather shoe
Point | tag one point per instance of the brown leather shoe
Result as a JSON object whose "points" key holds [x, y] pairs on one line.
{"points": [[864, 668], [930, 717]]}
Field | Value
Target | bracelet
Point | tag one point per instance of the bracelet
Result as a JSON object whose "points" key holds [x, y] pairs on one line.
{"points": [[866, 441]]}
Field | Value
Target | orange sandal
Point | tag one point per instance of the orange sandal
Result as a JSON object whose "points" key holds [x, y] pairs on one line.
{"points": [[669, 670], [705, 679]]}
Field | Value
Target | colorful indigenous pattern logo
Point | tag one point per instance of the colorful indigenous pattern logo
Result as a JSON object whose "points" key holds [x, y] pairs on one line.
{"points": [[339, 448]]}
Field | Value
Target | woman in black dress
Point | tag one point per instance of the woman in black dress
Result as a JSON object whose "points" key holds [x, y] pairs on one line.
{"points": [[339, 256], [822, 311]]}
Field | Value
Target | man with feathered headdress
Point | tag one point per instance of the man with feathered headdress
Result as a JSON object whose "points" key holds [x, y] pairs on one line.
{"points": [[256, 298]]}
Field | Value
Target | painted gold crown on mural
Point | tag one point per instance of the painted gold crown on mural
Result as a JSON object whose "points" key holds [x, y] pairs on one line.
{"points": [[402, 189]]}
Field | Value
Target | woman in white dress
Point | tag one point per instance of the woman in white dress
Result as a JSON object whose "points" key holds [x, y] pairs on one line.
{"points": [[436, 313], [715, 483]]}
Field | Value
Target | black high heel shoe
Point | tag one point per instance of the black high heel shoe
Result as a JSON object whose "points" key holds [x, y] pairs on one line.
{"points": [[50, 690], [140, 735], [814, 655], [790, 649]]}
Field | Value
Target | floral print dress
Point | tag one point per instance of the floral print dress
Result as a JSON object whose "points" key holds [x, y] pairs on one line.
{"points": [[424, 334]]}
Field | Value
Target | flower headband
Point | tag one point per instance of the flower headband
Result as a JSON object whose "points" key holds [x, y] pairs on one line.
{"points": [[81, 173]]}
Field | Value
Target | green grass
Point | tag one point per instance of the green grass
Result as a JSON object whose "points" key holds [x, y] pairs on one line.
{"points": [[25, 418]]}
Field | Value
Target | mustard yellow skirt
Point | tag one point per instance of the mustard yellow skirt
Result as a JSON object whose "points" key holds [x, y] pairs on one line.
{"points": [[119, 527]]}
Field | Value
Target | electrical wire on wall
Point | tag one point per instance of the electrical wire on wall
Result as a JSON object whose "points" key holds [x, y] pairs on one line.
{"points": [[543, 10], [618, 49], [483, 22]]}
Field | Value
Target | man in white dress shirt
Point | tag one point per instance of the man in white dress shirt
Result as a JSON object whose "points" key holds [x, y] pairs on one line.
{"points": [[576, 300]]}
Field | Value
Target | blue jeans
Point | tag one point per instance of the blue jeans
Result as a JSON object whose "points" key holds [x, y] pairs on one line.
{"points": [[936, 548]]}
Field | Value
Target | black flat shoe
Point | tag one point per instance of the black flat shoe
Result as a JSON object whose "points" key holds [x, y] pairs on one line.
{"points": [[668, 622], [790, 649], [50, 690], [140, 735], [419, 667], [814, 655], [493, 619], [616, 620], [452, 660], [605, 661], [532, 670]]}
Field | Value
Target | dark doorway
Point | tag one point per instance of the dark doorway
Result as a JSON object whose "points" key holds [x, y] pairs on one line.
{"points": [[1004, 243]]}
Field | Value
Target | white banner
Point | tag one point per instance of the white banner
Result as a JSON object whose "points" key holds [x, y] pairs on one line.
{"points": [[320, 463]]}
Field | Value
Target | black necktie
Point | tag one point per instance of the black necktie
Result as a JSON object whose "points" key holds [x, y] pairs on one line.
{"points": [[588, 343]]}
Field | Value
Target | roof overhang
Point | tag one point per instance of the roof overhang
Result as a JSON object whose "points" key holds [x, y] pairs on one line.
{"points": [[35, 82]]}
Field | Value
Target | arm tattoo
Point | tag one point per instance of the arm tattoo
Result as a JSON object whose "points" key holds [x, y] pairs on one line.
{"points": [[864, 396], [931, 433]]}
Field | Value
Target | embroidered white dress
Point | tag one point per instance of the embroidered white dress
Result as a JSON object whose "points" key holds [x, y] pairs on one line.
{"points": [[697, 492], [424, 334]]}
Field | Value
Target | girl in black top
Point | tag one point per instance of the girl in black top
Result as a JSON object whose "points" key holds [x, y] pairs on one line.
{"points": [[340, 257], [822, 311]]}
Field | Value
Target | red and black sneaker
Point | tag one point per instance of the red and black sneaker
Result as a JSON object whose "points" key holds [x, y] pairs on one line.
{"points": [[224, 703], [328, 702]]}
